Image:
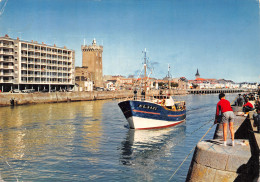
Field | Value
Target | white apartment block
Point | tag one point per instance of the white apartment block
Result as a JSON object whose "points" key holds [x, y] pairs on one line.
{"points": [[30, 65]]}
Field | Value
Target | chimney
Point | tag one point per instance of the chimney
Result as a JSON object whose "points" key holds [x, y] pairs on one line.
{"points": [[54, 45], [6, 35], [32, 41], [65, 47], [18, 38], [42, 43]]}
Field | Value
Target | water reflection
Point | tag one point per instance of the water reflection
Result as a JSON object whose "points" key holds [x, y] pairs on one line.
{"points": [[27, 131], [143, 148]]}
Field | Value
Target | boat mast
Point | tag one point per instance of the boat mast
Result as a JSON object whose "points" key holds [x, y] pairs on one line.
{"points": [[169, 83], [145, 70]]}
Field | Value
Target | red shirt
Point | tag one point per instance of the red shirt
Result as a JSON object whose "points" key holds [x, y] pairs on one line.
{"points": [[223, 105], [248, 104]]}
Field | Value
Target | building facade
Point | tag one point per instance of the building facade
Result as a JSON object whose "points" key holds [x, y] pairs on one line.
{"points": [[83, 79], [30, 65], [92, 59]]}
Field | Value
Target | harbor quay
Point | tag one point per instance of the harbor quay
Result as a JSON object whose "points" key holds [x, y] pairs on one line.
{"points": [[212, 161], [7, 98], [12, 99], [214, 91]]}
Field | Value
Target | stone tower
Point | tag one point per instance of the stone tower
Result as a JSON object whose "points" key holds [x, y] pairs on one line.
{"points": [[92, 59]]}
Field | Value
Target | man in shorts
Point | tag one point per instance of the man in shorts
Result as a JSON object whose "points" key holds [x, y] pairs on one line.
{"points": [[227, 116]]}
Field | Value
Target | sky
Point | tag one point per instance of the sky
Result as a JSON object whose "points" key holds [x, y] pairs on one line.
{"points": [[220, 38]]}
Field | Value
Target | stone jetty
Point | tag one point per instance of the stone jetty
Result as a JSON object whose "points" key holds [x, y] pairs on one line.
{"points": [[214, 162]]}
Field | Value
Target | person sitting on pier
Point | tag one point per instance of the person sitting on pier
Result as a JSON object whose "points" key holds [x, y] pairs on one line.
{"points": [[247, 106], [256, 117], [227, 116]]}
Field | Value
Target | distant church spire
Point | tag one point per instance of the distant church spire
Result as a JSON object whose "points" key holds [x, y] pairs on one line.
{"points": [[197, 74]]}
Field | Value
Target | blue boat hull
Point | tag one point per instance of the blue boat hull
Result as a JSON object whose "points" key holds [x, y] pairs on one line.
{"points": [[147, 115]]}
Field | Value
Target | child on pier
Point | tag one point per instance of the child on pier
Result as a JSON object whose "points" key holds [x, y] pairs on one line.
{"points": [[227, 116]]}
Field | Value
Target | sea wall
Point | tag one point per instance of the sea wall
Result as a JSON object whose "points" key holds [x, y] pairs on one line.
{"points": [[214, 162], [7, 99]]}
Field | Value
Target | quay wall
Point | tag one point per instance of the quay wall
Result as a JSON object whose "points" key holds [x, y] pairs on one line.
{"points": [[214, 162], [8, 99]]}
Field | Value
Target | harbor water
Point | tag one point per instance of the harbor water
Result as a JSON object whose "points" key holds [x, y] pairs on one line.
{"points": [[88, 141]]}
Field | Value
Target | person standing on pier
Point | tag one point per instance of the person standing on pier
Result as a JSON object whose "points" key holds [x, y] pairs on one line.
{"points": [[239, 100], [256, 118], [143, 95], [227, 116], [135, 94]]}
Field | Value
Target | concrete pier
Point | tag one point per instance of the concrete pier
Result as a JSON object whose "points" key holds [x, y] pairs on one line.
{"points": [[214, 162]]}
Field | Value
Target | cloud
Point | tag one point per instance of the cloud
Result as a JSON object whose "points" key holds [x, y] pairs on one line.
{"points": [[3, 4]]}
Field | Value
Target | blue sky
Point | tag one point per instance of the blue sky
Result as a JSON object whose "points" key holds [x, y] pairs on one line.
{"points": [[221, 38]]}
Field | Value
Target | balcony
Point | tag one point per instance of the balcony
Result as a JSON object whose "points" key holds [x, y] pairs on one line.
{"points": [[7, 81], [7, 45], [6, 67], [24, 55], [8, 60], [31, 55], [7, 52], [8, 74]]}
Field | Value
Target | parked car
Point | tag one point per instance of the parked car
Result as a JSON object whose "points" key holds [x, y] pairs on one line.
{"points": [[100, 89], [28, 91], [69, 90], [45, 90], [15, 91]]}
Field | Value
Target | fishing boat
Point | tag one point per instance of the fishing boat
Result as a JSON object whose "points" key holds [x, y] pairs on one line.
{"points": [[154, 111]]}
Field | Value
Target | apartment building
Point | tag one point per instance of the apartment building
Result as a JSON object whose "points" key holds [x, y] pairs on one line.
{"points": [[30, 65]]}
